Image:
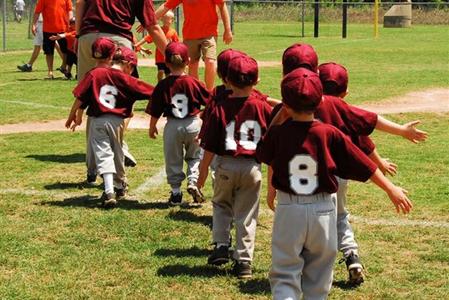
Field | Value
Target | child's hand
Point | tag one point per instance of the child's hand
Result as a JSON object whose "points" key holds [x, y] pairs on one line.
{"points": [[413, 134], [55, 37], [69, 121], [387, 167], [271, 196], [153, 132], [399, 198]]}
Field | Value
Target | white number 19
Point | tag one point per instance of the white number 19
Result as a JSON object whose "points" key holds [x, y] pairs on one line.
{"points": [[244, 141]]}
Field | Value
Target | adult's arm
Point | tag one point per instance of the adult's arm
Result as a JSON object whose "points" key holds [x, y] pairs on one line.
{"points": [[158, 36], [80, 8], [227, 34]]}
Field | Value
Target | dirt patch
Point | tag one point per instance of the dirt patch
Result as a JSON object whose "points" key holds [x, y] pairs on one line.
{"points": [[433, 100]]}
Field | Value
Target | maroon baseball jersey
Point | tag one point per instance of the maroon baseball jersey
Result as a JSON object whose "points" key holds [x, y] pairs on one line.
{"points": [[306, 157], [110, 91], [178, 97], [236, 125], [116, 16], [364, 143]]}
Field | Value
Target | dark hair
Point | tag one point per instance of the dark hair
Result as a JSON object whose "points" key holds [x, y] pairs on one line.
{"points": [[241, 81], [332, 88]]}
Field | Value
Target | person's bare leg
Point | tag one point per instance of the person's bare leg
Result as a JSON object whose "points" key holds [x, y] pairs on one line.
{"points": [[35, 54], [209, 73], [59, 51], [49, 59], [193, 68]]}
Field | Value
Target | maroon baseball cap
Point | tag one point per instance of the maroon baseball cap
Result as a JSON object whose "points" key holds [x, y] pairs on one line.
{"points": [[334, 78], [103, 48], [243, 71], [176, 48], [126, 54], [301, 90], [223, 60], [299, 56]]}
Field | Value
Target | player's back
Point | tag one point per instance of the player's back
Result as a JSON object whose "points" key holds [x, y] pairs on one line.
{"points": [[306, 156], [107, 90], [236, 125]]}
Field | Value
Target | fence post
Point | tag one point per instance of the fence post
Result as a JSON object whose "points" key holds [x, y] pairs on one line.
{"points": [[4, 25], [232, 16], [303, 10], [376, 18], [30, 18], [345, 19], [316, 21], [177, 19]]}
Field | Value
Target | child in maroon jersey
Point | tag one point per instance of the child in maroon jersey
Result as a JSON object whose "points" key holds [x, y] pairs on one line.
{"points": [[234, 127], [179, 97], [109, 95], [306, 155]]}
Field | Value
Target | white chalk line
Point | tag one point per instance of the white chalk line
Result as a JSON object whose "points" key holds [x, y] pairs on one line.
{"points": [[159, 178], [33, 104]]}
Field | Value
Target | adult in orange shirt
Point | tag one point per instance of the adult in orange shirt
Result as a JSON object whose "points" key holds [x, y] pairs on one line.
{"points": [[56, 15], [200, 31], [171, 35]]}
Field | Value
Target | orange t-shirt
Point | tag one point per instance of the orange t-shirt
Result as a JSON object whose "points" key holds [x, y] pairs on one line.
{"points": [[171, 35], [200, 17], [55, 14], [70, 36]]}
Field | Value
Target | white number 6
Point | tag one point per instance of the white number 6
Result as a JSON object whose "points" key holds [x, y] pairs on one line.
{"points": [[303, 178], [107, 96]]}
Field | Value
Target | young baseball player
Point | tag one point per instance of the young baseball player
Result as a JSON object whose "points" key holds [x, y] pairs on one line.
{"points": [[109, 95], [70, 37], [171, 35], [179, 97], [306, 155], [234, 127]]}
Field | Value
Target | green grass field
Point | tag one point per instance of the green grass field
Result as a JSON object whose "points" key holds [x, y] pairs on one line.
{"points": [[55, 242]]}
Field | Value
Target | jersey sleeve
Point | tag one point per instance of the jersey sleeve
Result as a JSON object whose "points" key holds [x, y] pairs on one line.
{"points": [[364, 143], [274, 112], [171, 4], [175, 37], [69, 6], [83, 91], [155, 107], [202, 94], [358, 121], [139, 90], [145, 13], [218, 2], [351, 162], [211, 137], [39, 7], [266, 147]]}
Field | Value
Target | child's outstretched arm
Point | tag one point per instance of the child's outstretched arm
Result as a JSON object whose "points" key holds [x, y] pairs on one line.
{"points": [[204, 168], [407, 131], [384, 164], [396, 194]]}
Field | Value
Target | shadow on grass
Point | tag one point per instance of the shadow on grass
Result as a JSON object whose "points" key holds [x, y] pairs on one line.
{"points": [[190, 252], [66, 159], [255, 286], [71, 185], [87, 201], [196, 271], [344, 285], [187, 216]]}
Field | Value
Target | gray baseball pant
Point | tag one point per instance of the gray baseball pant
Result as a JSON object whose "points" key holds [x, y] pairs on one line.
{"points": [[304, 246], [105, 140], [180, 143], [236, 198], [346, 241]]}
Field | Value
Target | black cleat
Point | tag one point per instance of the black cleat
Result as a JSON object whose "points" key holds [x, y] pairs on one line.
{"points": [[355, 269], [129, 162], [175, 199], [120, 194], [242, 269], [91, 179], [108, 200], [219, 256], [196, 194], [25, 68]]}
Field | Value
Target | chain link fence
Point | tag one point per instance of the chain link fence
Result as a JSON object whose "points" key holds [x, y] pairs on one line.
{"points": [[16, 35]]}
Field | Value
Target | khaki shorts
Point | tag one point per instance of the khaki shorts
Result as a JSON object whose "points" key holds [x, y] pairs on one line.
{"points": [[204, 48], [85, 60]]}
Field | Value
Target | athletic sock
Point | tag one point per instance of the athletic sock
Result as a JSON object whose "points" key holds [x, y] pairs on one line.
{"points": [[176, 191], [108, 179]]}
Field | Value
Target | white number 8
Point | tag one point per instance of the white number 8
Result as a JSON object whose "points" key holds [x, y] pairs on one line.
{"points": [[303, 178], [180, 109], [107, 96]]}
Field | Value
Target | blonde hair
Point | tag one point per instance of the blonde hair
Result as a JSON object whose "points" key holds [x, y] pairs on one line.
{"points": [[177, 62], [169, 14]]}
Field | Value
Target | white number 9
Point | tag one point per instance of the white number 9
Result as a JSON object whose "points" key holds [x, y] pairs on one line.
{"points": [[107, 96], [180, 109], [303, 178]]}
